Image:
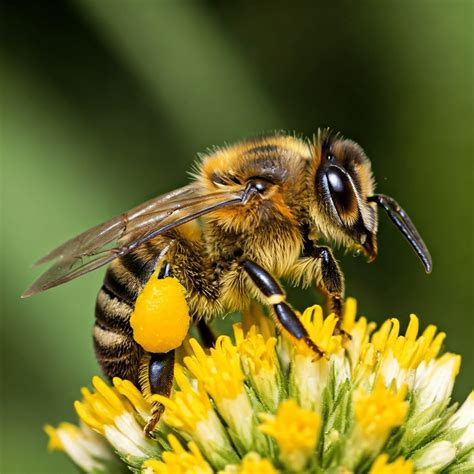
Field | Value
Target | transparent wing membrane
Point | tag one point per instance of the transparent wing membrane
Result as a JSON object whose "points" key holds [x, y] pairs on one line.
{"points": [[91, 239], [105, 242]]}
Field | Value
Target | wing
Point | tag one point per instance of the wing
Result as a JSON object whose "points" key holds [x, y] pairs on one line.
{"points": [[105, 242]]}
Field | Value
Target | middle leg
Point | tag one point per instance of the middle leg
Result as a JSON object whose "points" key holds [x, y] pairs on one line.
{"points": [[206, 334], [275, 296]]}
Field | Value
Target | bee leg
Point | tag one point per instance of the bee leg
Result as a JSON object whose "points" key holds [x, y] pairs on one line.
{"points": [[275, 296], [160, 379], [206, 334], [331, 284], [159, 371]]}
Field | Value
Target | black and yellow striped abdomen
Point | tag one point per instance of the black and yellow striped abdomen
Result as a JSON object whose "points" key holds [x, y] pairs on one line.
{"points": [[116, 350]]}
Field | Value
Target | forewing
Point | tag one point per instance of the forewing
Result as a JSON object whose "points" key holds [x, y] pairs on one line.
{"points": [[93, 239], [105, 242]]}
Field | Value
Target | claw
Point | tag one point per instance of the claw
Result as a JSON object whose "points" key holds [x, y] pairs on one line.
{"points": [[346, 337], [319, 353], [153, 421]]}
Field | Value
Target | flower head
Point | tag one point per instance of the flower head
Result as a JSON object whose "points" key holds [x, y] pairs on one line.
{"points": [[88, 450], [178, 460], [378, 402], [379, 411], [260, 363], [252, 463], [296, 432], [118, 413], [399, 466]]}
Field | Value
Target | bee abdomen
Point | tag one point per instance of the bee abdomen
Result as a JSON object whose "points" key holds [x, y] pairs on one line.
{"points": [[120, 288], [116, 350], [112, 312], [118, 354], [110, 344]]}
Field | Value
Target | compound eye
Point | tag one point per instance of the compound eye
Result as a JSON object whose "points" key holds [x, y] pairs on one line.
{"points": [[341, 190], [336, 180]]}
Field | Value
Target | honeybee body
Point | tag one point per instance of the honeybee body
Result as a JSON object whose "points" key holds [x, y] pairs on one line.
{"points": [[264, 206], [206, 260]]}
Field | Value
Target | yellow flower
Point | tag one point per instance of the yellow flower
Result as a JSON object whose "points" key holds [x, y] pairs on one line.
{"points": [[114, 412], [401, 356], [221, 375], [55, 443], [321, 331], [379, 411], [134, 397], [107, 403], [409, 350], [89, 451], [260, 353], [363, 356], [188, 407], [310, 374], [251, 464], [190, 411], [221, 372], [178, 461], [382, 466], [259, 362], [295, 430], [336, 412]]}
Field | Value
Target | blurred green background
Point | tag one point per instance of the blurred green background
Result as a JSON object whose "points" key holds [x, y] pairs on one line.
{"points": [[106, 103]]}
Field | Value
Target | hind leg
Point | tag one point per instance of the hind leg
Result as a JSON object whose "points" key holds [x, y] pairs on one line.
{"points": [[159, 373], [157, 368]]}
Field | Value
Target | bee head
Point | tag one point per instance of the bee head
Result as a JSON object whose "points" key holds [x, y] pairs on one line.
{"points": [[343, 183]]}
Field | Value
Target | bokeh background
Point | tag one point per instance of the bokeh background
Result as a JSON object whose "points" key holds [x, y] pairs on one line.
{"points": [[106, 103]]}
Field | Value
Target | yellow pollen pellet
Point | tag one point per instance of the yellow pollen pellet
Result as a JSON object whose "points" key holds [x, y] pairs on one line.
{"points": [[160, 320]]}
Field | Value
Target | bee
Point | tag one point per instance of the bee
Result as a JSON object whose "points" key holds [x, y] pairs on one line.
{"points": [[254, 213]]}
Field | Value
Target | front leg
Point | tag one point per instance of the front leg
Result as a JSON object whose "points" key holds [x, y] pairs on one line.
{"points": [[275, 296], [331, 280], [318, 264]]}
